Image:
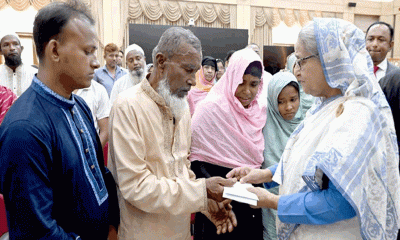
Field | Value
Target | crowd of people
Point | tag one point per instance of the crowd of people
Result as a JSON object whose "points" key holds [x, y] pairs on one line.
{"points": [[90, 152]]}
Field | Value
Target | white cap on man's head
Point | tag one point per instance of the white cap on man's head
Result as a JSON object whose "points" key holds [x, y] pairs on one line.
{"points": [[133, 47], [8, 33]]}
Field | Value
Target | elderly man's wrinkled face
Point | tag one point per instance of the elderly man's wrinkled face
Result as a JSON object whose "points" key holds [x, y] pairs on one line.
{"points": [[181, 70], [11, 49], [135, 61], [378, 42]]}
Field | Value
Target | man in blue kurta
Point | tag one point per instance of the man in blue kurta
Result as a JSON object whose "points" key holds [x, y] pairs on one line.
{"points": [[51, 170]]}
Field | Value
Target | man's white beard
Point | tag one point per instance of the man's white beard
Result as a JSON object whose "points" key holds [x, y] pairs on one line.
{"points": [[178, 105], [138, 75]]}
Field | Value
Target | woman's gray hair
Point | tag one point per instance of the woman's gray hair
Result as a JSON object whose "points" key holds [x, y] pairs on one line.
{"points": [[172, 39], [307, 38]]}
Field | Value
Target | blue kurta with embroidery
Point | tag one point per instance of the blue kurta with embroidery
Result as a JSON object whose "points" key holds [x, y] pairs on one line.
{"points": [[50, 175]]}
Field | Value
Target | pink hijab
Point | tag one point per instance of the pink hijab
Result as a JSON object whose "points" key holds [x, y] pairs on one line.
{"points": [[200, 91], [225, 133]]}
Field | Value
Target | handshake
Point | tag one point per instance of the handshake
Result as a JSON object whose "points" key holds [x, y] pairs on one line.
{"points": [[220, 211]]}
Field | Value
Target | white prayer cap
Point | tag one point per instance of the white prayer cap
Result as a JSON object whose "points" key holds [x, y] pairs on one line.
{"points": [[133, 47], [7, 33]]}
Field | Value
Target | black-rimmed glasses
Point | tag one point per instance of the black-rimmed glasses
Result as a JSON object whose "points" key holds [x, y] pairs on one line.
{"points": [[299, 61]]}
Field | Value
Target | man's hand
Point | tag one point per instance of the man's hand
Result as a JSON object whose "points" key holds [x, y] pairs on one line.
{"points": [[221, 215], [265, 198], [250, 175], [215, 187]]}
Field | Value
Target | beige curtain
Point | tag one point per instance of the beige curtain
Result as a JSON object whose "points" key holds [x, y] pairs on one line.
{"points": [[175, 13], [179, 13], [21, 5]]}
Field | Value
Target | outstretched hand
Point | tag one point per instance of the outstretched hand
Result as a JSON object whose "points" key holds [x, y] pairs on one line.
{"points": [[266, 199], [250, 175], [221, 215], [215, 187]]}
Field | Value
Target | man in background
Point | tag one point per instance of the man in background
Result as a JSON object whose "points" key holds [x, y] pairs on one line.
{"points": [[136, 63], [110, 72], [120, 58], [379, 42], [13, 73]]}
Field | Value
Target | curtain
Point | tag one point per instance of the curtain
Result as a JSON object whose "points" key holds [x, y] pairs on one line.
{"points": [[179, 13]]}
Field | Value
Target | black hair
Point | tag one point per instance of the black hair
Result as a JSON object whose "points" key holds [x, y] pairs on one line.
{"points": [[210, 61], [221, 61], [50, 21], [229, 55], [382, 23], [295, 85], [254, 69]]}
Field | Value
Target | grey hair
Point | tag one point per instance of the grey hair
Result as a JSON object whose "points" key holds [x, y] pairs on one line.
{"points": [[307, 38], [172, 39]]}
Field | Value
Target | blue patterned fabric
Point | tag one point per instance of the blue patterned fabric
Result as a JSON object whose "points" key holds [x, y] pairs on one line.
{"points": [[357, 149], [49, 168]]}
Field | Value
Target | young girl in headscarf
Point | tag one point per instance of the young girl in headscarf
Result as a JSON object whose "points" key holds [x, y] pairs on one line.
{"points": [[205, 79], [227, 133], [283, 115]]}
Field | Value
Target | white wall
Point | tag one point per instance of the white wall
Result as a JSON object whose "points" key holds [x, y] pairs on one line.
{"points": [[285, 35]]}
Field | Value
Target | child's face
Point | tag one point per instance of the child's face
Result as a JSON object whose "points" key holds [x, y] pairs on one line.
{"points": [[288, 102], [247, 90]]}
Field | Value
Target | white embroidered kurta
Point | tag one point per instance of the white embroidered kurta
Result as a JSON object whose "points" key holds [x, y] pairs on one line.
{"points": [[121, 85], [19, 80], [148, 157]]}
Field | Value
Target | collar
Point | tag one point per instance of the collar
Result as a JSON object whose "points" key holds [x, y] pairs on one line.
{"points": [[149, 90], [383, 65], [16, 70], [117, 69], [52, 96]]}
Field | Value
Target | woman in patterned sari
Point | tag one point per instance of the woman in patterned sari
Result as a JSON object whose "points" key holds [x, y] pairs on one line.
{"points": [[338, 175]]}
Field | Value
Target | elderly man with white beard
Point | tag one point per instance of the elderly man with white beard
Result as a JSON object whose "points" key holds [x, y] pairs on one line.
{"points": [[136, 64], [150, 140]]}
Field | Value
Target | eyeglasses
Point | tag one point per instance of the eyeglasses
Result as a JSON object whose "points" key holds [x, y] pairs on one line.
{"points": [[299, 61]]}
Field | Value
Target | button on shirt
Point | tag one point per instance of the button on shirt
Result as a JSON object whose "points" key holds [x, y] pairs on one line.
{"points": [[19, 80], [103, 76], [49, 168]]}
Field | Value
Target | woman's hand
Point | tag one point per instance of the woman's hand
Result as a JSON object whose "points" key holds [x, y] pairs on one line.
{"points": [[265, 198], [250, 175]]}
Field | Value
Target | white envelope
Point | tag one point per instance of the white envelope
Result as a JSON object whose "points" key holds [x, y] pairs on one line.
{"points": [[239, 193]]}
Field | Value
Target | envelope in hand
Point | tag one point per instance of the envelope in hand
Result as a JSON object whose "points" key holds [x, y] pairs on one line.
{"points": [[239, 193]]}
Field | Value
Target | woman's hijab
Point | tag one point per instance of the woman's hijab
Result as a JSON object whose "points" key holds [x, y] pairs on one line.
{"points": [[277, 130], [200, 91], [225, 133]]}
